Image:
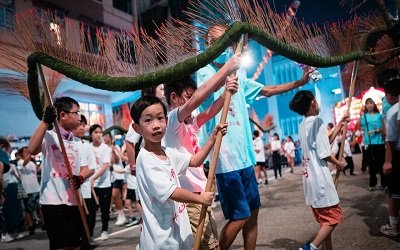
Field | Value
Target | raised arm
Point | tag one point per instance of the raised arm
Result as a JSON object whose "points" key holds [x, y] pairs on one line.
{"points": [[231, 85], [211, 85], [282, 88], [200, 156], [35, 144]]}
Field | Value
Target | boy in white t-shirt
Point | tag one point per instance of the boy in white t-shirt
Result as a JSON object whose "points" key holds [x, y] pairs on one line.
{"points": [[59, 206], [165, 220], [88, 154], [182, 129], [319, 189]]}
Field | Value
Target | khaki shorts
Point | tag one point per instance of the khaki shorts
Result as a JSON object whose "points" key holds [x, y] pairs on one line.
{"points": [[210, 237]]}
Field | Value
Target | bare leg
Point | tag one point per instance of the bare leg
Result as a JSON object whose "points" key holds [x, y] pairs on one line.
{"points": [[230, 231], [257, 171], [116, 195], [250, 231], [323, 234]]}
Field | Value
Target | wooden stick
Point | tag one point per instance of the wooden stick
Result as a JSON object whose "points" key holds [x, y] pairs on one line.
{"points": [[84, 205], [217, 146], [96, 199], [344, 133], [66, 161]]}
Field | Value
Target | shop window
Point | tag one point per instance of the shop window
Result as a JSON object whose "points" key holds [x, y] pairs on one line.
{"points": [[94, 113]]}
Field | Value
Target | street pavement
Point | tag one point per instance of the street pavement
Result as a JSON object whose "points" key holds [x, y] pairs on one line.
{"points": [[285, 222]]}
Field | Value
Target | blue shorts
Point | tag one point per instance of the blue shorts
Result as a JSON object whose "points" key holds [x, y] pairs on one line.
{"points": [[238, 193]]}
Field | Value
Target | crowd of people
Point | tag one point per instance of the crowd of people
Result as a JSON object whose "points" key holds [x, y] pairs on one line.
{"points": [[160, 170]]}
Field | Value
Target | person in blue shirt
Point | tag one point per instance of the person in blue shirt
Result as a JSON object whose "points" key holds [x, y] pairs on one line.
{"points": [[373, 125], [236, 182]]}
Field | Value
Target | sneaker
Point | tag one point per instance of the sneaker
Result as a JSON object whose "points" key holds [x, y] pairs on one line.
{"points": [[305, 247], [121, 220], [6, 238], [266, 182], [389, 230], [372, 189], [18, 236], [103, 236], [132, 222]]}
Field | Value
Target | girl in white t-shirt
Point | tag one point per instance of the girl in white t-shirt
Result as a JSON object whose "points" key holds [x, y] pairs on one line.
{"points": [[101, 180], [289, 152], [165, 220]]}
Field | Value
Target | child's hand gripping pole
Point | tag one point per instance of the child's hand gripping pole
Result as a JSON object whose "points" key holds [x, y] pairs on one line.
{"points": [[66, 161], [217, 146], [344, 133]]}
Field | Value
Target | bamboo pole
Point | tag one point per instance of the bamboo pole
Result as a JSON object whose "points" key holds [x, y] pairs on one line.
{"points": [[217, 146], [96, 199], [64, 152], [351, 93]]}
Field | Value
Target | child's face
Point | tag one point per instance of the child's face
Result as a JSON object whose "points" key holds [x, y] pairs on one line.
{"points": [[97, 135], [152, 123], [160, 91], [71, 119], [179, 100], [25, 154], [370, 105], [80, 131]]}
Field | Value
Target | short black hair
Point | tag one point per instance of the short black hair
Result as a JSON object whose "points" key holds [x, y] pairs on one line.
{"points": [[65, 104], [178, 87], [389, 79], [330, 125], [83, 119], [256, 133], [4, 143], [301, 102], [143, 103]]}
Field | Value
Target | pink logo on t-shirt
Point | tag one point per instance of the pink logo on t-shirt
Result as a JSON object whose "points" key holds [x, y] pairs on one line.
{"points": [[172, 174], [181, 208], [304, 167]]}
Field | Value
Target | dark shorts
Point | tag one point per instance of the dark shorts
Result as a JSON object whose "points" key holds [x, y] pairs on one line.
{"points": [[393, 179], [260, 163], [63, 225], [118, 184], [238, 193], [131, 194], [31, 203]]}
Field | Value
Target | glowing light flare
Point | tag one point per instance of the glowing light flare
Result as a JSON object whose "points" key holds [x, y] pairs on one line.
{"points": [[246, 60], [56, 29]]}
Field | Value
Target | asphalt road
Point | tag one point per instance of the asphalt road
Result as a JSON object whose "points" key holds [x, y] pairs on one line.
{"points": [[285, 222]]}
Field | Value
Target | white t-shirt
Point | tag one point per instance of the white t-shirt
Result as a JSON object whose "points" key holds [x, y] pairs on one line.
{"points": [[319, 189], [258, 145], [275, 145], [10, 176], [103, 155], [29, 178], [346, 150], [87, 153], [392, 134], [165, 222], [118, 167], [55, 188], [133, 137], [183, 137], [289, 148]]}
